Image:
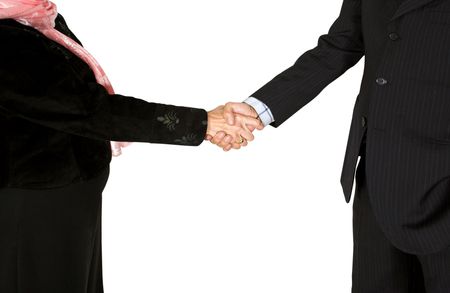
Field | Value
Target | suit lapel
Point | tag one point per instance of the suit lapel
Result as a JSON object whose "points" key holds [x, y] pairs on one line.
{"points": [[409, 5]]}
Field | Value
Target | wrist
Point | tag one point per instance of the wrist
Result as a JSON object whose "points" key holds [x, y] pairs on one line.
{"points": [[256, 113]]}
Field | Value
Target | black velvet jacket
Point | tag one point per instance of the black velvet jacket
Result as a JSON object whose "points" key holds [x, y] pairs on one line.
{"points": [[56, 121]]}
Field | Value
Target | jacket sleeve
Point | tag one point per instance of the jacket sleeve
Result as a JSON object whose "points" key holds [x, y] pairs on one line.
{"points": [[46, 88], [338, 50]]}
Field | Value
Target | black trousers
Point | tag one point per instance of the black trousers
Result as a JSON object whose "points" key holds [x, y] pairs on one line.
{"points": [[378, 266], [50, 240]]}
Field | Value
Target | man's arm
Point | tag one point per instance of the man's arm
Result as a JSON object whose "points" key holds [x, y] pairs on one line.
{"points": [[338, 50]]}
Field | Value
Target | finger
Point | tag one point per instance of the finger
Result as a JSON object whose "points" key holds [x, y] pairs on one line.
{"points": [[245, 143], [250, 127], [218, 137], [226, 141], [260, 126], [208, 137], [251, 122], [227, 148], [247, 123], [247, 135], [236, 146]]}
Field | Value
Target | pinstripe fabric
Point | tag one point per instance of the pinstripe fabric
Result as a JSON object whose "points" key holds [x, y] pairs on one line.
{"points": [[408, 137], [379, 266], [402, 110]]}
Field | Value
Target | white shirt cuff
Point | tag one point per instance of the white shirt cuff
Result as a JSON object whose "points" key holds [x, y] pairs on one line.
{"points": [[263, 111]]}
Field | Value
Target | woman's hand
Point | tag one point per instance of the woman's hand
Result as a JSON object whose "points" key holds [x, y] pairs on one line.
{"points": [[228, 136]]}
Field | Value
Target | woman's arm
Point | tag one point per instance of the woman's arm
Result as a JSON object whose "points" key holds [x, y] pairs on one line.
{"points": [[42, 86]]}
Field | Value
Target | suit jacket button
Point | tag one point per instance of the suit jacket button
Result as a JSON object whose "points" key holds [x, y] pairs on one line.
{"points": [[394, 36], [381, 81], [363, 121]]}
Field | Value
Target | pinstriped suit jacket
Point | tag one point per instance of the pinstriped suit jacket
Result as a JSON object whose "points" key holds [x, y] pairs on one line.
{"points": [[403, 110]]}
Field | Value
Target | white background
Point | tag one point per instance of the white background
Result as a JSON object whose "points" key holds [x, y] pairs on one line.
{"points": [[269, 218]]}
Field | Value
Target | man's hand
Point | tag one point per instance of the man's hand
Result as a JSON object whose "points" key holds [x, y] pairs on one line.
{"points": [[227, 136], [236, 115], [232, 109]]}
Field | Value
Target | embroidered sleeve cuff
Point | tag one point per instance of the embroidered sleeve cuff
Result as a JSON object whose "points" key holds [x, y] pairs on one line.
{"points": [[179, 125], [263, 111]]}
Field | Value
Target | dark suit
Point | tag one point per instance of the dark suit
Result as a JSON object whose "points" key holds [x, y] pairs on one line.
{"points": [[56, 121], [402, 113]]}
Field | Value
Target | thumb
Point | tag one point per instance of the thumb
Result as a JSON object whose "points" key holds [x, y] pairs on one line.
{"points": [[242, 109], [231, 109], [228, 114]]}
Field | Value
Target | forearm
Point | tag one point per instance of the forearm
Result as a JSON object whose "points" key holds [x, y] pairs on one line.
{"points": [[337, 51], [117, 118]]}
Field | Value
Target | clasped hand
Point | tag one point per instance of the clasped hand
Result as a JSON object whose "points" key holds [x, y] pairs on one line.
{"points": [[231, 126]]}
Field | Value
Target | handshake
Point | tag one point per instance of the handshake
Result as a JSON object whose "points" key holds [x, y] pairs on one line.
{"points": [[231, 126]]}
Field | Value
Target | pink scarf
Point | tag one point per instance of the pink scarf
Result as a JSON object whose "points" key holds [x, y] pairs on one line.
{"points": [[41, 15]]}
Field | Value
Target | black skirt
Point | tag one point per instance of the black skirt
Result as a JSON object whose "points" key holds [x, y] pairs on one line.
{"points": [[50, 240]]}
